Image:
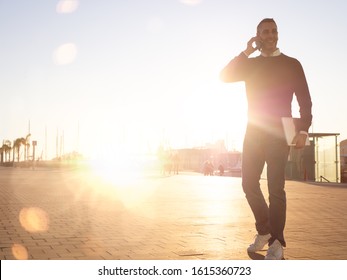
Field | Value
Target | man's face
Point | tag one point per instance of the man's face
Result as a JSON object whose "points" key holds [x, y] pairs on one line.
{"points": [[269, 36]]}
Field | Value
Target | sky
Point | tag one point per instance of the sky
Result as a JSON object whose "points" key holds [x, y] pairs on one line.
{"points": [[104, 77]]}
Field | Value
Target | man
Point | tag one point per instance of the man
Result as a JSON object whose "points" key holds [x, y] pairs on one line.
{"points": [[271, 80]]}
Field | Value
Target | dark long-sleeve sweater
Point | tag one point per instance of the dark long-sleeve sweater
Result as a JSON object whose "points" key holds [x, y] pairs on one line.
{"points": [[271, 83]]}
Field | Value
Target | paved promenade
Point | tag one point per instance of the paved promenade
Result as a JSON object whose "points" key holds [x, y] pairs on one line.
{"points": [[78, 214]]}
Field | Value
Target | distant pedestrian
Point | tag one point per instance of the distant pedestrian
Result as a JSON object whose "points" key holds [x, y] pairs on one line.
{"points": [[208, 168], [221, 170], [175, 162]]}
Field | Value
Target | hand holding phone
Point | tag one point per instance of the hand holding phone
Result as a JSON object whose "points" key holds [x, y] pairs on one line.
{"points": [[258, 44], [253, 44]]}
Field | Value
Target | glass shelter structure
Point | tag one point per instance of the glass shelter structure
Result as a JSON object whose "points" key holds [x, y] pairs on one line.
{"points": [[317, 162]]}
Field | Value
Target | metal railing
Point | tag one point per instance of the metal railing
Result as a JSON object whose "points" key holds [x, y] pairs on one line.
{"points": [[325, 179]]}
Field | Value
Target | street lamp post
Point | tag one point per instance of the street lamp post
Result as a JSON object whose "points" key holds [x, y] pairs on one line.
{"points": [[34, 145]]}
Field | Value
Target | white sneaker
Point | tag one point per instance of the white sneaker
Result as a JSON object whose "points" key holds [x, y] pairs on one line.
{"points": [[259, 243], [275, 251]]}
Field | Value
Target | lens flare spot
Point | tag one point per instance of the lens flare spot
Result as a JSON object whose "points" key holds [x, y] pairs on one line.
{"points": [[19, 252], [65, 54], [67, 6], [34, 219], [191, 2]]}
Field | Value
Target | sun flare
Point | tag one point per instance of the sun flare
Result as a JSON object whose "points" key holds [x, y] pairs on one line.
{"points": [[67, 6], [34, 219], [124, 169], [191, 2]]}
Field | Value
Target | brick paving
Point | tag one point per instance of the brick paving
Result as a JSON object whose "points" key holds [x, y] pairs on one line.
{"points": [[75, 214]]}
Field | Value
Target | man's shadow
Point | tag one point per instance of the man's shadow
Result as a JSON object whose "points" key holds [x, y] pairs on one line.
{"points": [[257, 256]]}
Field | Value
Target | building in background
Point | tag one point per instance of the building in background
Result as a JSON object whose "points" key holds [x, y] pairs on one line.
{"points": [[195, 159]]}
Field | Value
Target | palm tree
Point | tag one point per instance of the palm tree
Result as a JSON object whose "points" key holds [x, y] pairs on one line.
{"points": [[27, 147], [2, 154], [6, 150], [16, 147]]}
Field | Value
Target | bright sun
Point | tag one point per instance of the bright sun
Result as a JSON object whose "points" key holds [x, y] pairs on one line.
{"points": [[209, 113]]}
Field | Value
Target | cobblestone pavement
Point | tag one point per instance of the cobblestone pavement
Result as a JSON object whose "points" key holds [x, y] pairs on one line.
{"points": [[76, 214]]}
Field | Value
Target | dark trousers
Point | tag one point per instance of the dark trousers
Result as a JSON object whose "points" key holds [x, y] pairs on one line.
{"points": [[260, 147]]}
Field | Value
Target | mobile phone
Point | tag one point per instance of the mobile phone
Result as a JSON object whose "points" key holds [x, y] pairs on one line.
{"points": [[258, 44]]}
